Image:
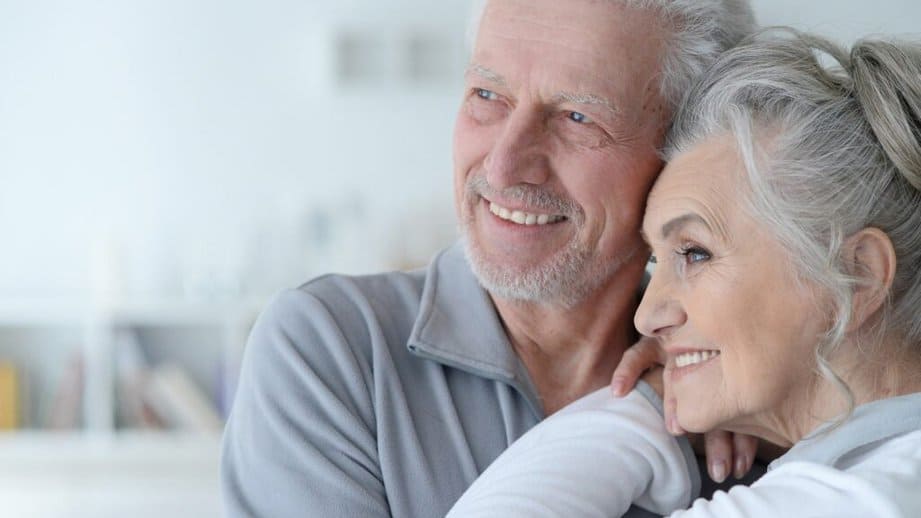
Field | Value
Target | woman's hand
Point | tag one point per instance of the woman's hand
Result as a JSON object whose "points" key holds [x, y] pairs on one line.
{"points": [[726, 452]]}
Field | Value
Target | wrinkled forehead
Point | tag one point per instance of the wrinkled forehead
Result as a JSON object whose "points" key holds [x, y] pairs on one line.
{"points": [[583, 43], [602, 22], [707, 179]]}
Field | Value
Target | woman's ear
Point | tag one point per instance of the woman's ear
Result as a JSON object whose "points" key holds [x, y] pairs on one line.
{"points": [[871, 256]]}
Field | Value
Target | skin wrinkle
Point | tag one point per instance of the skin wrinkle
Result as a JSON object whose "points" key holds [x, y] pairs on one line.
{"points": [[661, 24], [676, 224], [583, 99], [635, 55]]}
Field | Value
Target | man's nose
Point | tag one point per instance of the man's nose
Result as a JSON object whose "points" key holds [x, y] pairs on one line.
{"points": [[660, 313], [519, 155]]}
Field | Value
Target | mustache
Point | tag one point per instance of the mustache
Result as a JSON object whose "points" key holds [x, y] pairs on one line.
{"points": [[531, 196]]}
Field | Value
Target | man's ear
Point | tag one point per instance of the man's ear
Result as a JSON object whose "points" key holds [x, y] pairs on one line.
{"points": [[871, 257]]}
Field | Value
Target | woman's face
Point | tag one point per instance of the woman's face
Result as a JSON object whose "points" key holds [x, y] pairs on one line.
{"points": [[739, 330]]}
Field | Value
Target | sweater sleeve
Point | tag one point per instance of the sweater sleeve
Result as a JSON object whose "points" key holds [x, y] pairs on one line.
{"points": [[809, 489], [595, 457], [300, 440]]}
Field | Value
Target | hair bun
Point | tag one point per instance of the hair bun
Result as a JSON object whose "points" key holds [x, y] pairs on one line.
{"points": [[887, 84]]}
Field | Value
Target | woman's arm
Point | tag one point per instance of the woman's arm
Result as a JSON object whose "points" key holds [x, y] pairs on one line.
{"points": [[595, 457]]}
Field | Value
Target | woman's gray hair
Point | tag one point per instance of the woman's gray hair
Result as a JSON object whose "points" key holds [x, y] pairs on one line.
{"points": [[697, 32], [831, 143]]}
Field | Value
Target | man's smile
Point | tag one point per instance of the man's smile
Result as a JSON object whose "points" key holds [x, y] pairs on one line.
{"points": [[523, 218]]}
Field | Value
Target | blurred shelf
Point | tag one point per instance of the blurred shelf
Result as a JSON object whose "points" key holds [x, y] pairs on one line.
{"points": [[126, 447], [142, 475], [60, 312], [42, 312], [181, 312], [71, 364]]}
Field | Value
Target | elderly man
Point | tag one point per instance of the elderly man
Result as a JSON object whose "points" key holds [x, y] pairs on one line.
{"points": [[386, 395]]}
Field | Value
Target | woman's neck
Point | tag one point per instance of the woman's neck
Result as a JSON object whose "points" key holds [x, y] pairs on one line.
{"points": [[870, 374]]}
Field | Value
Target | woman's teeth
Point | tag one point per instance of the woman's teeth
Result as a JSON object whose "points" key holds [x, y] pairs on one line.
{"points": [[683, 360]]}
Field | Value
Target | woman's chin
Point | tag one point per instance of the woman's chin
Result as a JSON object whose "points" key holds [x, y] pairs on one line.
{"points": [[697, 423]]}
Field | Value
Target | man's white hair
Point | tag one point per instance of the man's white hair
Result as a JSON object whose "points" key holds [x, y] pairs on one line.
{"points": [[698, 31]]}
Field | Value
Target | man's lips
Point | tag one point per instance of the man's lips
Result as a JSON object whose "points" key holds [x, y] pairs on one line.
{"points": [[524, 217]]}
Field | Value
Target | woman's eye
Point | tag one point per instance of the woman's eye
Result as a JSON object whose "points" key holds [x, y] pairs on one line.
{"points": [[694, 254], [485, 94], [581, 118]]}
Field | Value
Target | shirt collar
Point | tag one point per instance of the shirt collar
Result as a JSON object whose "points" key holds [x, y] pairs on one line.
{"points": [[871, 422], [458, 325]]}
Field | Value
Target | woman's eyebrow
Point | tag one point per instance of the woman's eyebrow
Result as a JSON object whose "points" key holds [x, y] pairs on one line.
{"points": [[685, 219]]}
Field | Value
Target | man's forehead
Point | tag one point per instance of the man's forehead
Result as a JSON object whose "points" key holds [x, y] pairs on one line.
{"points": [[599, 19], [582, 47]]}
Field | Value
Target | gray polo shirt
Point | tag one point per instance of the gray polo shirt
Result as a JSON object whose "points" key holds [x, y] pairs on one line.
{"points": [[372, 396]]}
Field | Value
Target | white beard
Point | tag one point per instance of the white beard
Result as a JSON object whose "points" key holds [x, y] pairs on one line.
{"points": [[564, 279]]}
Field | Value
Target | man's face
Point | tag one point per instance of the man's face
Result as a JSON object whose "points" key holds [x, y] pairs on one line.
{"points": [[555, 145]]}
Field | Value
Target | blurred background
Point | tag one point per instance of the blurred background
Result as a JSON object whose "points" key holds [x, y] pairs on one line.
{"points": [[166, 166]]}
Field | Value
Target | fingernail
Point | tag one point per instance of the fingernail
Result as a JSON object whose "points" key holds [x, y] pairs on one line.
{"points": [[673, 427], [718, 471], [741, 466], [617, 387]]}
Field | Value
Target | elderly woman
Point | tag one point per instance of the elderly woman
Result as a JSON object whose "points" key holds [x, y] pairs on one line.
{"points": [[787, 235]]}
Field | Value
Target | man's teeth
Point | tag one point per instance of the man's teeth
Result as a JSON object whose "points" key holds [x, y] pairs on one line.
{"points": [[523, 218], [683, 360]]}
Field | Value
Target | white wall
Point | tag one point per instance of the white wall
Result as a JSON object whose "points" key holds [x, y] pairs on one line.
{"points": [[169, 147], [178, 141], [843, 20]]}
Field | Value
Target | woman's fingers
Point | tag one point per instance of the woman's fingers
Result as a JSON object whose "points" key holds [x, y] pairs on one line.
{"points": [[729, 453], [671, 416], [642, 356], [718, 445], [744, 450]]}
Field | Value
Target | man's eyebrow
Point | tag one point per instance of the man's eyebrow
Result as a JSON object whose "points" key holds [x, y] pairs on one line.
{"points": [[582, 98], [674, 224], [487, 74]]}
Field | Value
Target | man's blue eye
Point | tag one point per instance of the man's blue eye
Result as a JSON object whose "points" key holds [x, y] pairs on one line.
{"points": [[486, 94], [579, 117]]}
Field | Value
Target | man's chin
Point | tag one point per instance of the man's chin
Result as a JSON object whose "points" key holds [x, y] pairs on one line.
{"points": [[552, 282]]}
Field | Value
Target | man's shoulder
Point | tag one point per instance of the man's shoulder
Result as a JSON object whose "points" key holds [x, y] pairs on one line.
{"points": [[334, 324], [348, 302], [389, 295], [394, 286], [375, 312]]}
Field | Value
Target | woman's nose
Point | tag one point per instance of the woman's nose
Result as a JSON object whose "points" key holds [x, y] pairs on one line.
{"points": [[660, 312]]}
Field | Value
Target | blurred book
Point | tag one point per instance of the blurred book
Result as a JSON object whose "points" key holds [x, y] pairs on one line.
{"points": [[131, 376], [177, 400], [67, 400], [158, 396], [10, 409]]}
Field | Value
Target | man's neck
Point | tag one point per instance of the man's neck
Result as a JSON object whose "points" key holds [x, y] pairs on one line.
{"points": [[570, 352]]}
